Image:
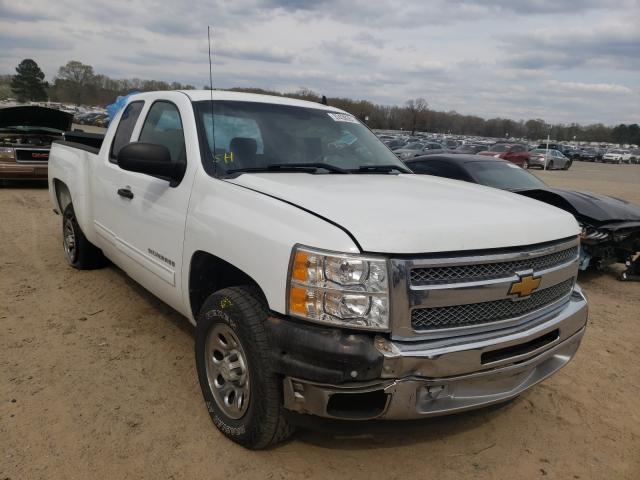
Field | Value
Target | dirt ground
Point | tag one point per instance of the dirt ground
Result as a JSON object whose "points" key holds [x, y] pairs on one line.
{"points": [[97, 380]]}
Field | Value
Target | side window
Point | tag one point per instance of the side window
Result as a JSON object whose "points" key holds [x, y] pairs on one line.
{"points": [[163, 126], [125, 128]]}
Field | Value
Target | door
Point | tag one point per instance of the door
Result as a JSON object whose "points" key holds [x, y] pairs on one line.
{"points": [[148, 226], [106, 206]]}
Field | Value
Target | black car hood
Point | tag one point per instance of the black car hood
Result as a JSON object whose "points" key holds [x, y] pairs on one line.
{"points": [[593, 207], [34, 117]]}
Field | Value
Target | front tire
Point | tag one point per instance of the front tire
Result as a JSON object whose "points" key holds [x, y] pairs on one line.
{"points": [[79, 252], [242, 392]]}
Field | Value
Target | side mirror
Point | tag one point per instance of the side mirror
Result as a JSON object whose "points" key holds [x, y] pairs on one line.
{"points": [[151, 159]]}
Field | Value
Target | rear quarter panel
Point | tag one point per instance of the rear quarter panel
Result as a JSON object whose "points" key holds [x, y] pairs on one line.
{"points": [[72, 167]]}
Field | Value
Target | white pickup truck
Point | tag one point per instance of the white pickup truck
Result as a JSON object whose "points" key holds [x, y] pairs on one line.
{"points": [[321, 275]]}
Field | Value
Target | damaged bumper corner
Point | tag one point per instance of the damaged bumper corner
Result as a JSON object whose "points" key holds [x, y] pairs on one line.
{"points": [[420, 380]]}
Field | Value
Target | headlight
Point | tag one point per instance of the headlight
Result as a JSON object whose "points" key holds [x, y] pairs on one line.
{"points": [[339, 289], [6, 153]]}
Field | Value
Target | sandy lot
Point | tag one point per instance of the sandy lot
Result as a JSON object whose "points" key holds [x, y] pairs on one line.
{"points": [[97, 380]]}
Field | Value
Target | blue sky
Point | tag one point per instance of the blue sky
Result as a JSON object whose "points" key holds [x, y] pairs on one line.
{"points": [[561, 60]]}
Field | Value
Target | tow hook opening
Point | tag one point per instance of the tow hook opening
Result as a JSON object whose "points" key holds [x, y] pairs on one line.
{"points": [[357, 405]]}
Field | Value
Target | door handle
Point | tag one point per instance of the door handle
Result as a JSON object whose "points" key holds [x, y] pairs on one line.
{"points": [[125, 192]]}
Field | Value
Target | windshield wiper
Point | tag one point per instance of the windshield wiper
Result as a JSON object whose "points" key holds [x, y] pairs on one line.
{"points": [[290, 167], [381, 169]]}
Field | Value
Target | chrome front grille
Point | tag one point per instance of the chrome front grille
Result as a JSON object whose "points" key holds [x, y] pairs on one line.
{"points": [[443, 296], [489, 271], [455, 316]]}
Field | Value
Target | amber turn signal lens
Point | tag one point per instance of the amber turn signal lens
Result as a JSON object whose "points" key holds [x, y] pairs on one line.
{"points": [[298, 300], [300, 267]]}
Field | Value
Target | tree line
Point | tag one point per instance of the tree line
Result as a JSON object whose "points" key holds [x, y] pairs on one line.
{"points": [[79, 84]]}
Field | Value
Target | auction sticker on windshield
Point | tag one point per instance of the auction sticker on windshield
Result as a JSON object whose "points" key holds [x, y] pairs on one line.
{"points": [[343, 117]]}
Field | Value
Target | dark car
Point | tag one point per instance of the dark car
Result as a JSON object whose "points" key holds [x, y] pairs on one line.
{"points": [[610, 226], [26, 133], [589, 155], [514, 152]]}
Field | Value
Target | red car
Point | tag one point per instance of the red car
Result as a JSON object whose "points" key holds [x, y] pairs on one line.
{"points": [[514, 152]]}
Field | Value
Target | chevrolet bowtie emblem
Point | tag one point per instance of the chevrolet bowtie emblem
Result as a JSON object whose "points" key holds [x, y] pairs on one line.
{"points": [[524, 286]]}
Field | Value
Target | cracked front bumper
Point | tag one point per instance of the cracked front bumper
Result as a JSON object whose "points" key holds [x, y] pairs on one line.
{"points": [[421, 379]]}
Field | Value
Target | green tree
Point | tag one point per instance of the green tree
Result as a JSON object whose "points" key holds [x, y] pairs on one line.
{"points": [[28, 82]]}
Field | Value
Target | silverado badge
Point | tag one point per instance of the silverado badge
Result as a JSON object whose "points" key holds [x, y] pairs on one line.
{"points": [[525, 286]]}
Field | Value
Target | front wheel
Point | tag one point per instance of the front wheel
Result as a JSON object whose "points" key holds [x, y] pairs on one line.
{"points": [[550, 165], [525, 165], [241, 390]]}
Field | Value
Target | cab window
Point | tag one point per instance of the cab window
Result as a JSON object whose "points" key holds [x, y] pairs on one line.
{"points": [[125, 129], [163, 126]]}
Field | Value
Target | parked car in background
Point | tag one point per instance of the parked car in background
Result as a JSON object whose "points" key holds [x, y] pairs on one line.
{"points": [[395, 143], [617, 156], [469, 148], [514, 152], [635, 155], [610, 226], [26, 133], [552, 159], [572, 152], [417, 149], [589, 155], [551, 146]]}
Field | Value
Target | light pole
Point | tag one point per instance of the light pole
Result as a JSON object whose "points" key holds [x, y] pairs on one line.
{"points": [[546, 154]]}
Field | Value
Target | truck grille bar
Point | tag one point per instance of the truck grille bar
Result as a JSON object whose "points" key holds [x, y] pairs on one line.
{"points": [[479, 313], [488, 271]]}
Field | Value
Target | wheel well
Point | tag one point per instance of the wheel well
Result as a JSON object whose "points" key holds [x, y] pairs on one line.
{"points": [[208, 274], [63, 195]]}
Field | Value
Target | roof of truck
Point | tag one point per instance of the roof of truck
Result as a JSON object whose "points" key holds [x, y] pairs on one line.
{"points": [[199, 95]]}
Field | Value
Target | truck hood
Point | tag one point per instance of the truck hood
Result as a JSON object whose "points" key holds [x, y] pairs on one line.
{"points": [[35, 117], [413, 214]]}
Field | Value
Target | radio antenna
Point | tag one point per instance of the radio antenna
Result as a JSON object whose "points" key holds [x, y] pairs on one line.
{"points": [[213, 128]]}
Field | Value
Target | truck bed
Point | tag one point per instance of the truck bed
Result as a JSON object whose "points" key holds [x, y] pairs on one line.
{"points": [[83, 140]]}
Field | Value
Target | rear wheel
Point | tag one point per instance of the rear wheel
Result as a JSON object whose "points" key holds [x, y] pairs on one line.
{"points": [[79, 252], [525, 165], [550, 165]]}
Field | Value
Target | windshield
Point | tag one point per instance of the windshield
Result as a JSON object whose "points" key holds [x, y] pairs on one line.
{"points": [[503, 175], [252, 136]]}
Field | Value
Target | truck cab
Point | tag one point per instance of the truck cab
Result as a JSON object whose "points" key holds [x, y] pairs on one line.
{"points": [[322, 276]]}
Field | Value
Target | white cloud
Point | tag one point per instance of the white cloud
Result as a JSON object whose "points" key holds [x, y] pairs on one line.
{"points": [[557, 59]]}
